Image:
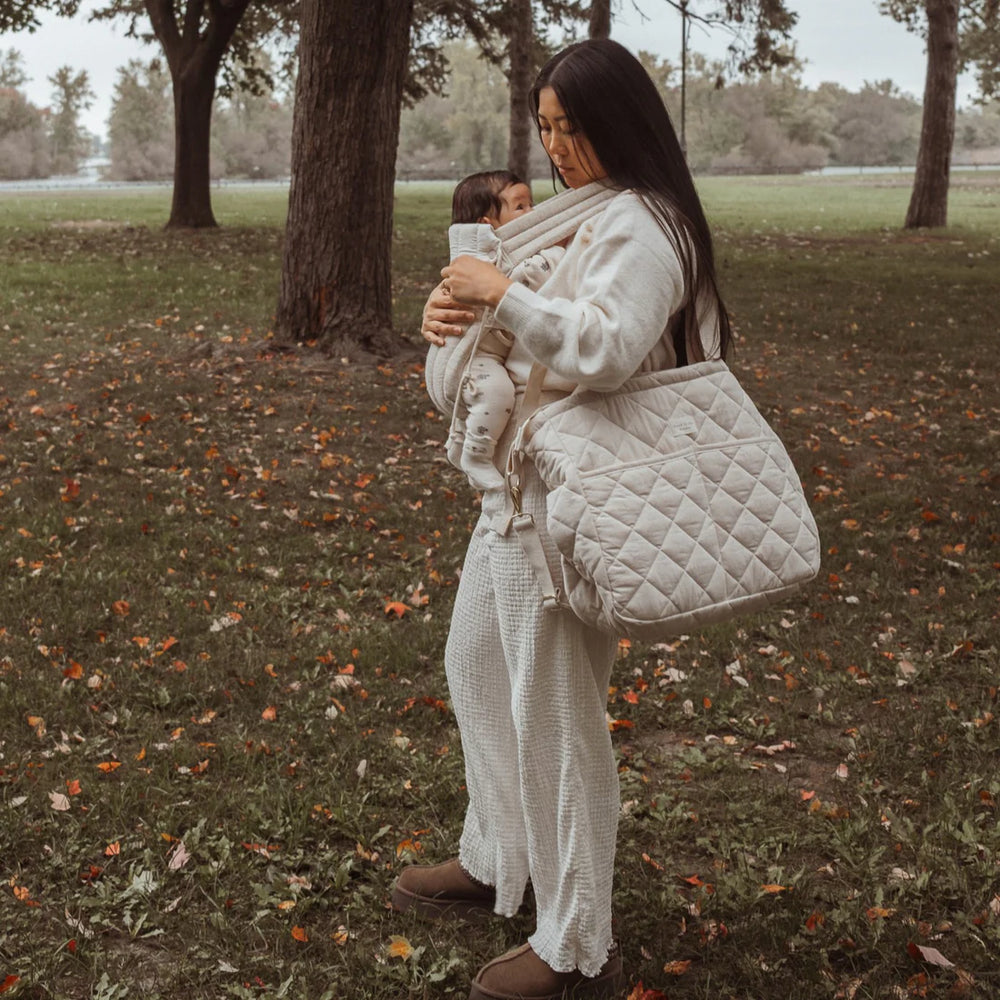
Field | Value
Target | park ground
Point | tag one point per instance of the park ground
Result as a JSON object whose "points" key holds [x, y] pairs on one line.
{"points": [[227, 576]]}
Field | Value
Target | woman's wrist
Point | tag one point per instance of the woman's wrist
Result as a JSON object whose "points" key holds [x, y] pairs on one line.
{"points": [[499, 290]]}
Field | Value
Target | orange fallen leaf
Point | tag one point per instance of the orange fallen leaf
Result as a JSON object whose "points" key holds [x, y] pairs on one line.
{"points": [[399, 947], [74, 671], [121, 608], [113, 850], [286, 904], [73, 787], [300, 934], [340, 935], [640, 992], [8, 983], [397, 608], [773, 889], [677, 968], [270, 713], [107, 766]]}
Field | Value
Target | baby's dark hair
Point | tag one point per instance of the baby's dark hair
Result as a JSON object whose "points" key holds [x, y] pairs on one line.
{"points": [[479, 194]]}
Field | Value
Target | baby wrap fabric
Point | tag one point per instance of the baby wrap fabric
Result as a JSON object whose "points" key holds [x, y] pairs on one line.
{"points": [[551, 222]]}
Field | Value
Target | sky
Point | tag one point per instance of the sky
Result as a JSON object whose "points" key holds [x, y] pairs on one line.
{"points": [[841, 41]]}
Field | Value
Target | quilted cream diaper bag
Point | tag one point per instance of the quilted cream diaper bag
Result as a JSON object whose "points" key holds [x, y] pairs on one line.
{"points": [[672, 502]]}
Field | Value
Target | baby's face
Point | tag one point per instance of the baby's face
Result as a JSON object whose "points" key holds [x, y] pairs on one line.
{"points": [[515, 200]]}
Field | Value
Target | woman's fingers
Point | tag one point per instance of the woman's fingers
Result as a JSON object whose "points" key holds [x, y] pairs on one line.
{"points": [[441, 323]]}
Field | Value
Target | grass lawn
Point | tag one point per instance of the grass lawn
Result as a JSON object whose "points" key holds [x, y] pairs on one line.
{"points": [[227, 578]]}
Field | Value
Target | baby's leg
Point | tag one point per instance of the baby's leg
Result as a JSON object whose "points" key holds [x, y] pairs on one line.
{"points": [[489, 395]]}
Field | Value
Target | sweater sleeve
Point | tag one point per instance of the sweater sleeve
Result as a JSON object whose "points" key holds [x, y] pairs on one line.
{"points": [[628, 283]]}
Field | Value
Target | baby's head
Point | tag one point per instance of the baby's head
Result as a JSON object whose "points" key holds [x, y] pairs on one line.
{"points": [[493, 196]]}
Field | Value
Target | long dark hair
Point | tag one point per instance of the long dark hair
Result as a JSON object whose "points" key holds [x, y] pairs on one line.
{"points": [[608, 96]]}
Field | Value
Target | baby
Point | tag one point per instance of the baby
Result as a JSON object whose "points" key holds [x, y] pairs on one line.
{"points": [[480, 204]]}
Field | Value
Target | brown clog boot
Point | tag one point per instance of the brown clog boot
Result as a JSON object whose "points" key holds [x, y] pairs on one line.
{"points": [[442, 891], [522, 975]]}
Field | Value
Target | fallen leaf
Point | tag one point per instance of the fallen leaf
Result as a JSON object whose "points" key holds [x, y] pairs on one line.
{"points": [[113, 850], [340, 935], [399, 947], [179, 856], [270, 713], [773, 889], [107, 766], [640, 992], [929, 955], [300, 934], [8, 983], [677, 968], [59, 801], [397, 608]]}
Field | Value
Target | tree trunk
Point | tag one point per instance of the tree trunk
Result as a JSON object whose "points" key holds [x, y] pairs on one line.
{"points": [[519, 48], [194, 92], [335, 278], [929, 199], [600, 19], [194, 52]]}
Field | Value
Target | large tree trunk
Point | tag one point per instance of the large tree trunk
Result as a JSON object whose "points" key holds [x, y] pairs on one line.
{"points": [[519, 49], [335, 278], [600, 19], [194, 52], [194, 92], [929, 199]]}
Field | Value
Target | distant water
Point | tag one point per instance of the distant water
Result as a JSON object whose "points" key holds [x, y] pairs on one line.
{"points": [[840, 170]]}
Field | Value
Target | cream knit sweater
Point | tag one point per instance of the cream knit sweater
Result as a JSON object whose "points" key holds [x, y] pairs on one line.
{"points": [[605, 313]]}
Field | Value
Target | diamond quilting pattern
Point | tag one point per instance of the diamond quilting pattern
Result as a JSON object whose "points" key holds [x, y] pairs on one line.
{"points": [[672, 502]]}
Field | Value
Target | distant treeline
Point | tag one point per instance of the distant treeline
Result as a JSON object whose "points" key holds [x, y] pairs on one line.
{"points": [[768, 125]]}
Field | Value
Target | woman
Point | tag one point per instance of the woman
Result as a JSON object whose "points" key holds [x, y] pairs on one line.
{"points": [[635, 291]]}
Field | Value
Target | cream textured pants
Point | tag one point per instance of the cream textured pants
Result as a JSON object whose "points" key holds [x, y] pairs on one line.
{"points": [[529, 688]]}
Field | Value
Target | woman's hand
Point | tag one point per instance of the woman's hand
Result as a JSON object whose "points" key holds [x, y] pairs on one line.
{"points": [[474, 282], [443, 318]]}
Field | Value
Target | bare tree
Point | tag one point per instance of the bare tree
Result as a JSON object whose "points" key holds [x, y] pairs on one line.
{"points": [[521, 41], [929, 198], [335, 278], [600, 19], [957, 32]]}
